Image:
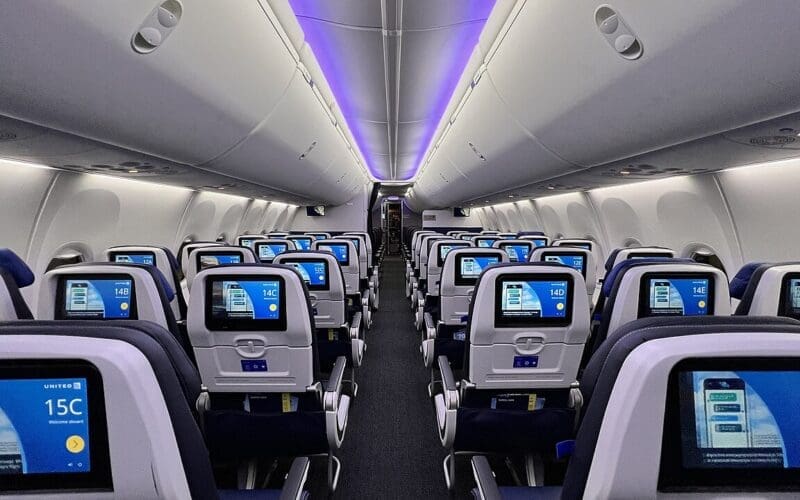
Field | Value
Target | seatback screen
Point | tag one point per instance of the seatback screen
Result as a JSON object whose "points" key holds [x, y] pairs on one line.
{"points": [[302, 243], [446, 248], [575, 261], [210, 259], [523, 300], [251, 303], [146, 258], [485, 242], [340, 250], [247, 242], [676, 295], [539, 242], [517, 252], [732, 423], [268, 251], [356, 243], [467, 236], [318, 236], [52, 427], [789, 305], [313, 272], [101, 296], [469, 267]]}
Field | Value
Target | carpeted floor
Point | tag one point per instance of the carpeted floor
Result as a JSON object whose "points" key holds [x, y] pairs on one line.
{"points": [[392, 449]]}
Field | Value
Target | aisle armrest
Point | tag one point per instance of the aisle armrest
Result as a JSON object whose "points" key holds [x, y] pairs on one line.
{"points": [[296, 479], [484, 479], [336, 405]]}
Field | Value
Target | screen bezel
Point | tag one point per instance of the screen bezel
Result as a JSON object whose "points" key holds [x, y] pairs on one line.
{"points": [[568, 254], [298, 260], [784, 304], [456, 246], [293, 239], [505, 244], [673, 476], [112, 256], [99, 478], [644, 292], [204, 253], [583, 245], [61, 295], [461, 280], [501, 321], [484, 238], [245, 325], [257, 249], [346, 245]]}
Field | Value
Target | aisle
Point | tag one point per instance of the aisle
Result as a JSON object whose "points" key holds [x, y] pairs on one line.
{"points": [[391, 449]]}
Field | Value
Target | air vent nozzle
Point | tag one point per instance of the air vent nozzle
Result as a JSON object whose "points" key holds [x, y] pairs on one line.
{"points": [[617, 33], [157, 26]]}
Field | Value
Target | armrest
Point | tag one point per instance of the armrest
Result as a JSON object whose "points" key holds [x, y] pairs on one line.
{"points": [[484, 479], [430, 326], [446, 404], [355, 326], [336, 405], [365, 298], [296, 479]]}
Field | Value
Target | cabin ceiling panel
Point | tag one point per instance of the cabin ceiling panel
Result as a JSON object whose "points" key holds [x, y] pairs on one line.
{"points": [[392, 64]]}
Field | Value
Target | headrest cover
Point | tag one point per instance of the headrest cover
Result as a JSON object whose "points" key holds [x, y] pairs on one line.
{"points": [[16, 267], [742, 279]]}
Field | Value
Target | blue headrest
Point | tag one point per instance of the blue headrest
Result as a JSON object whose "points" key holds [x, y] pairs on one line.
{"points": [[530, 233], [16, 267], [608, 284], [173, 262], [611, 258], [742, 279]]}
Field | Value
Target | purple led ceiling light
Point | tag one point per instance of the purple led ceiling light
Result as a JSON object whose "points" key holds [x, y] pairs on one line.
{"points": [[349, 83]]}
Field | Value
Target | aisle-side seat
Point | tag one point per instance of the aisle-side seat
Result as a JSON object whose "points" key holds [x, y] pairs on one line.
{"points": [[252, 330], [420, 280], [634, 441], [411, 261], [160, 257], [367, 280], [428, 300], [659, 287], [14, 274], [336, 333], [347, 256], [445, 334], [579, 259], [526, 332], [138, 436]]}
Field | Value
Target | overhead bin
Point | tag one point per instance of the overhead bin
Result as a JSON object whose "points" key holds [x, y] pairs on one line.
{"points": [[211, 95], [705, 67], [293, 148], [490, 150]]}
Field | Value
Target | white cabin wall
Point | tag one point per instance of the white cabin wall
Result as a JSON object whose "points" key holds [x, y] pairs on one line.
{"points": [[445, 218], [21, 193], [765, 205], [529, 216], [682, 213], [352, 216]]}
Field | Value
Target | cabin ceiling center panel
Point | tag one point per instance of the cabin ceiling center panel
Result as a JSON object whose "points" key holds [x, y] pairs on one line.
{"points": [[393, 66]]}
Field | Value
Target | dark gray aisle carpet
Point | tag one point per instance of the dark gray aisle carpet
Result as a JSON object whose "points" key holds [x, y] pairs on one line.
{"points": [[391, 449]]}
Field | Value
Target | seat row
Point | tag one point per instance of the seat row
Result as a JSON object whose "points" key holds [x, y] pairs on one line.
{"points": [[265, 362], [515, 354]]}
